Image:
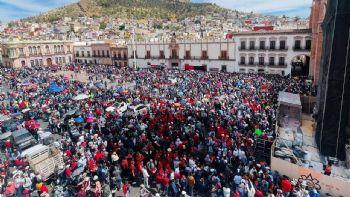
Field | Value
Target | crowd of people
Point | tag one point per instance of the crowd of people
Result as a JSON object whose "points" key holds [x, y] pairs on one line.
{"points": [[195, 136]]}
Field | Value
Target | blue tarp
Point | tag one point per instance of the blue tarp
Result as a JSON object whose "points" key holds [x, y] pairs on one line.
{"points": [[55, 88], [79, 119], [120, 89]]}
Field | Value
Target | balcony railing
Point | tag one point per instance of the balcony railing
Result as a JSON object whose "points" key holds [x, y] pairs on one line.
{"points": [[242, 63], [132, 56], [22, 55], [174, 57], [204, 57], [280, 65], [262, 48], [119, 58], [223, 57], [187, 57], [261, 64], [299, 48], [282, 48]]}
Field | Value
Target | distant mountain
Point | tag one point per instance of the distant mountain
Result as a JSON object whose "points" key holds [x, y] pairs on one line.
{"points": [[137, 9]]}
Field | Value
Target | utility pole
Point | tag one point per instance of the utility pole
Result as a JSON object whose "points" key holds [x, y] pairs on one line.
{"points": [[134, 49]]}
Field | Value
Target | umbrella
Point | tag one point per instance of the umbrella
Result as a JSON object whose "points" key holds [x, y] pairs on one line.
{"points": [[70, 113], [5, 135], [54, 88], [116, 94], [89, 119], [258, 132], [66, 77], [120, 89], [78, 113], [100, 85], [79, 119], [80, 97]]}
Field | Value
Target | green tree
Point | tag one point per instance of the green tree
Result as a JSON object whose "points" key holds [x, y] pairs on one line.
{"points": [[103, 25]]}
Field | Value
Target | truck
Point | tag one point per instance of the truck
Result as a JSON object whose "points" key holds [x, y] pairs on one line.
{"points": [[43, 159]]}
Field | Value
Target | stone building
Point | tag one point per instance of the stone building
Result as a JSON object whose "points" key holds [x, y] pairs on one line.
{"points": [[318, 11]]}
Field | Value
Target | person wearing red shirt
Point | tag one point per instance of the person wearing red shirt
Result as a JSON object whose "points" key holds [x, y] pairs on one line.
{"points": [[44, 189], [258, 193], [286, 186]]}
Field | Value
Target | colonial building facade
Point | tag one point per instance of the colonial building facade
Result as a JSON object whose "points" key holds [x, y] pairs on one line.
{"points": [[318, 11], [206, 55], [272, 51], [36, 53], [119, 55]]}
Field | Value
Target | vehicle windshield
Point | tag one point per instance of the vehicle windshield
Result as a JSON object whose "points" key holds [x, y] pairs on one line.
{"points": [[116, 105], [22, 137]]}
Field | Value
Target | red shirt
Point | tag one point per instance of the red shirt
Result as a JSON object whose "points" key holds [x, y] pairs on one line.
{"points": [[258, 193], [44, 189], [68, 172], [286, 186]]}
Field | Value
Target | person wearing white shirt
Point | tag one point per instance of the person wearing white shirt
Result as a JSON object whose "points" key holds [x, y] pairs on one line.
{"points": [[145, 176]]}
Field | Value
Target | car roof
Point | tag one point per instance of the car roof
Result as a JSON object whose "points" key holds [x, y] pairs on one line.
{"points": [[19, 132]]}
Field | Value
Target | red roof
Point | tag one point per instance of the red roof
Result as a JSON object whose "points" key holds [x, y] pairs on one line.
{"points": [[267, 28]]}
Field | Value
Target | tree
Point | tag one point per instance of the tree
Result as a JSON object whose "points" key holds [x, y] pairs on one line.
{"points": [[122, 27], [103, 25]]}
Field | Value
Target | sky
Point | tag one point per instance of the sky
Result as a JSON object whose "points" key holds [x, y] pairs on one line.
{"points": [[17, 9]]}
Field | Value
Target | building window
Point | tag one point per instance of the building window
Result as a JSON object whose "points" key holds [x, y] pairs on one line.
{"points": [[174, 53], [188, 55], [30, 50], [21, 52], [82, 53], [77, 54], [32, 63], [161, 54], [272, 45], [47, 49], [282, 44], [70, 59], [38, 49], [281, 61], [252, 45], [261, 60], [94, 53], [148, 54], [98, 53], [272, 61], [56, 60], [251, 60], [107, 53], [88, 53], [224, 55], [243, 45], [308, 44], [242, 60], [297, 45], [36, 62], [55, 48], [103, 53], [62, 49], [64, 60], [262, 45], [41, 62], [204, 55]]}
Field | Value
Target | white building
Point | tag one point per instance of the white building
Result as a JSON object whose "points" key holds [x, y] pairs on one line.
{"points": [[208, 55], [273, 52]]}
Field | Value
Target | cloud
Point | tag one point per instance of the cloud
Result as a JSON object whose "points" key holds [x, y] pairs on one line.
{"points": [[287, 7], [17, 9]]}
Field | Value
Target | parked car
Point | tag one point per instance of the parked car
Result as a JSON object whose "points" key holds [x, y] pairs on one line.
{"points": [[139, 109], [23, 139], [119, 107]]}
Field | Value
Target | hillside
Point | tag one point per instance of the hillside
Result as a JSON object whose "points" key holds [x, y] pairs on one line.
{"points": [[138, 9]]}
